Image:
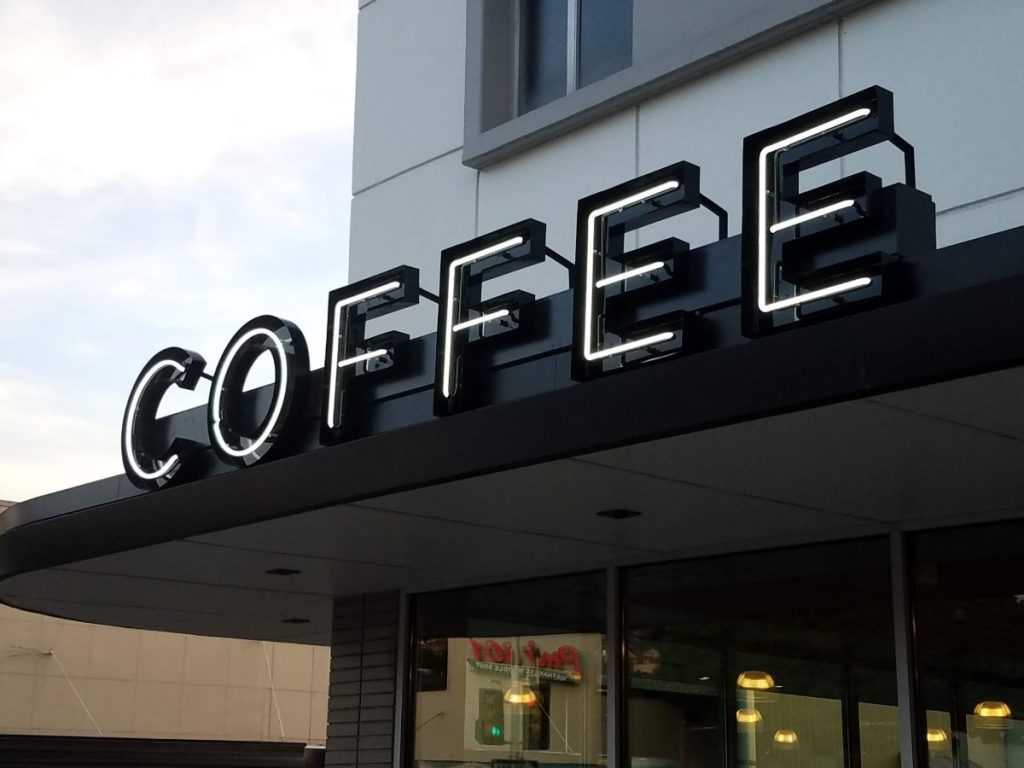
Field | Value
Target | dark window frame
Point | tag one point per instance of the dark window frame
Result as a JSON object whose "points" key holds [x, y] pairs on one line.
{"points": [[617, 689]]}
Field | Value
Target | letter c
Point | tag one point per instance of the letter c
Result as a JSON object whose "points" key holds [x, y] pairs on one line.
{"points": [[145, 465]]}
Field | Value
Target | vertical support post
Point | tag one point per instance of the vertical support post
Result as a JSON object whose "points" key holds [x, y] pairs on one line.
{"points": [[361, 697], [906, 662], [404, 659], [617, 690], [851, 720], [572, 47]]}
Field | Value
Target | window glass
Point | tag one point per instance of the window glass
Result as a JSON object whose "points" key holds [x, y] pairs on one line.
{"points": [[525, 674], [605, 38], [969, 616], [781, 658], [542, 51]]}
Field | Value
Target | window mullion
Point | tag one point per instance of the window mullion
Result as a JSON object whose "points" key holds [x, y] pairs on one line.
{"points": [[517, 54], [572, 45]]}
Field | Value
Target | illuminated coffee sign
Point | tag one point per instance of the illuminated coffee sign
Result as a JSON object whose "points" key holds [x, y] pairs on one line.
{"points": [[806, 255]]}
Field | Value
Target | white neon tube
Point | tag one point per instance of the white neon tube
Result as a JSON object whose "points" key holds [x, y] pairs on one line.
{"points": [[355, 359], [631, 345], [129, 428], [449, 316], [218, 384], [622, 277], [804, 217], [763, 302], [588, 304], [481, 320], [332, 388]]}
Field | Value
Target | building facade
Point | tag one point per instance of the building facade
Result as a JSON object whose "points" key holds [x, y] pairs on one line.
{"points": [[71, 679], [763, 511]]}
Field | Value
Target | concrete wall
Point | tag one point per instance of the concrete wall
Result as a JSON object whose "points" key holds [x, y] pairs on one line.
{"points": [[952, 64], [142, 684], [155, 684]]}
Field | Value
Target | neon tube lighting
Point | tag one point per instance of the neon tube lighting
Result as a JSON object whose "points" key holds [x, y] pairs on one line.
{"points": [[841, 205], [763, 302], [481, 320], [588, 304], [355, 359], [652, 267], [368, 294], [218, 384], [631, 345], [449, 320], [332, 390], [162, 467]]}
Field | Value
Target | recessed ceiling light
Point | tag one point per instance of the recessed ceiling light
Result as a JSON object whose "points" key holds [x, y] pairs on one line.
{"points": [[618, 514], [283, 572], [295, 620]]}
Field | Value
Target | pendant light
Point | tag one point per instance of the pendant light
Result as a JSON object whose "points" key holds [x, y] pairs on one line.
{"points": [[748, 716], [755, 680], [522, 694], [785, 738], [992, 709]]}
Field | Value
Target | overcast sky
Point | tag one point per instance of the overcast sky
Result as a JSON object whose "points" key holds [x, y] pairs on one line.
{"points": [[168, 170]]}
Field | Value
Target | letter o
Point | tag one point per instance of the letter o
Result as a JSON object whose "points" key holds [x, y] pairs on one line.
{"points": [[230, 440]]}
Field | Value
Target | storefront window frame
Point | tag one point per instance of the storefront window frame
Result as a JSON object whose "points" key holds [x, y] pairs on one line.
{"points": [[911, 732]]}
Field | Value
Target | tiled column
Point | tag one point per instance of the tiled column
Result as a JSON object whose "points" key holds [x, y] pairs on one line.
{"points": [[361, 706]]}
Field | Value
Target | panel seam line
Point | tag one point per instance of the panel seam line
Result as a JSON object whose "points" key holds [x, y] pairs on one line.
{"points": [[404, 171]]}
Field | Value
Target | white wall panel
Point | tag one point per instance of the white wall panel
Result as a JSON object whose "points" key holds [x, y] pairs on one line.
{"points": [[955, 68], [547, 182], [408, 220], [705, 122], [409, 85], [979, 219]]}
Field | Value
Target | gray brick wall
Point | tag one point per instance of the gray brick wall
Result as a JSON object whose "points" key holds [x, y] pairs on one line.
{"points": [[361, 707]]}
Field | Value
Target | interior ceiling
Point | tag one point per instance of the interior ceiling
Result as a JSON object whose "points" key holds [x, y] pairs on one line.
{"points": [[951, 451]]}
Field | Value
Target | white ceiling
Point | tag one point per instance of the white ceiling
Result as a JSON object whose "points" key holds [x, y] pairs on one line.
{"points": [[946, 452]]}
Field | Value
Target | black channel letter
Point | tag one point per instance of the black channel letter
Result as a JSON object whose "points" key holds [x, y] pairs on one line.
{"points": [[463, 316], [147, 466], [607, 274], [810, 254], [349, 353], [228, 422]]}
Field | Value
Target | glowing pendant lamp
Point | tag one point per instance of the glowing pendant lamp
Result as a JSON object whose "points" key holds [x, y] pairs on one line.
{"points": [[992, 709], [785, 739], [521, 693], [755, 680]]}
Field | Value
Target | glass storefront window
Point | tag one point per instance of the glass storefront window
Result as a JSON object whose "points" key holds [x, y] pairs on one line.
{"points": [[770, 659], [511, 675], [969, 611]]}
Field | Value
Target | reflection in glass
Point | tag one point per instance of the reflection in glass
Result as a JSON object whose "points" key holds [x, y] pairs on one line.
{"points": [[969, 614], [721, 672], [524, 677], [605, 39], [542, 51]]}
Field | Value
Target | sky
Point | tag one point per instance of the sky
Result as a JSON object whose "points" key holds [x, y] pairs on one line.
{"points": [[169, 169]]}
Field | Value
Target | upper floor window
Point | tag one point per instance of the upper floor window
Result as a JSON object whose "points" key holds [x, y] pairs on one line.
{"points": [[537, 69], [565, 45]]}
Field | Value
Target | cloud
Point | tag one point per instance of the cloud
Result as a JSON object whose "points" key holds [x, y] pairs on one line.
{"points": [[56, 438], [167, 171], [165, 106]]}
